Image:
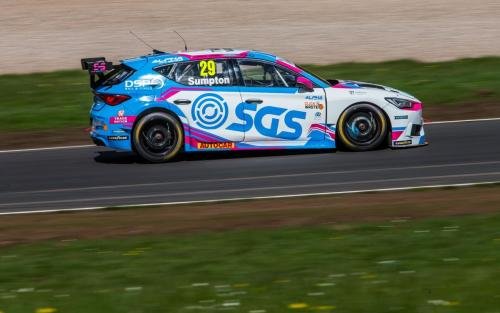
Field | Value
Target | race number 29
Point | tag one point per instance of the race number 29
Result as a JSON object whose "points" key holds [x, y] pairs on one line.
{"points": [[207, 68]]}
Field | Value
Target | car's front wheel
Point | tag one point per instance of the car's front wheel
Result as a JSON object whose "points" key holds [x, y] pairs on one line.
{"points": [[362, 127], [158, 137]]}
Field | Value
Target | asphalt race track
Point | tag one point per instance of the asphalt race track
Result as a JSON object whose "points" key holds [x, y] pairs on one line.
{"points": [[88, 177]]}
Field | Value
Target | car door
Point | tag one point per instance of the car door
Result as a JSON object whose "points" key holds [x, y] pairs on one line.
{"points": [[209, 98], [273, 108]]}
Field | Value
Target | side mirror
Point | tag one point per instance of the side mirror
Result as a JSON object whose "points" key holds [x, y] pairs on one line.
{"points": [[304, 84]]}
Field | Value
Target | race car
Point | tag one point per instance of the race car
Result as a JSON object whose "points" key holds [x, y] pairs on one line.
{"points": [[163, 104]]}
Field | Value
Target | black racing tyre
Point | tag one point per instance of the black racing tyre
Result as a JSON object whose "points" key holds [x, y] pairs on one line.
{"points": [[362, 127], [158, 137]]}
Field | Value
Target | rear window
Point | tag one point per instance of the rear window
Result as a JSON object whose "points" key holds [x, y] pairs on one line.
{"points": [[165, 70], [116, 76]]}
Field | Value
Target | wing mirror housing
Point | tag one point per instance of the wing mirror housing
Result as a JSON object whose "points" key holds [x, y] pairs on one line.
{"points": [[304, 84]]}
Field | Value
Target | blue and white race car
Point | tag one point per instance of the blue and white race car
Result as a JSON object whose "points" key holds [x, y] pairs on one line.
{"points": [[162, 104]]}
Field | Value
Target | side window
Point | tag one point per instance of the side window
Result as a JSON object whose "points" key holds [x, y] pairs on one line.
{"points": [[288, 77], [204, 73], [262, 74]]}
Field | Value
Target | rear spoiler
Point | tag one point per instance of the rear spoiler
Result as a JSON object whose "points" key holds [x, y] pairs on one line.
{"points": [[97, 67]]}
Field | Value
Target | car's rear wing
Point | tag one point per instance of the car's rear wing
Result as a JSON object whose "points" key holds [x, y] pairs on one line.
{"points": [[97, 67]]}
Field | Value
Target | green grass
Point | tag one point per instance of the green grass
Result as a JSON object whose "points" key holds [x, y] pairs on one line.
{"points": [[44, 100], [442, 265], [62, 99], [444, 83]]}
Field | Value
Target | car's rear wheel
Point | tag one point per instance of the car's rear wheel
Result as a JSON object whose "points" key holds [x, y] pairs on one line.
{"points": [[158, 137], [362, 127]]}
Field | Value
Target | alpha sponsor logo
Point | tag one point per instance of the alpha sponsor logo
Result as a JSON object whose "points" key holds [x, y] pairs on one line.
{"points": [[313, 105], [167, 60], [209, 81], [215, 145], [146, 82], [314, 98], [269, 121], [117, 137], [402, 143], [401, 117], [122, 119]]}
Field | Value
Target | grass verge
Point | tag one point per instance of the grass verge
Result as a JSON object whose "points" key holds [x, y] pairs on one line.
{"points": [[59, 100], [465, 81], [439, 265], [422, 251]]}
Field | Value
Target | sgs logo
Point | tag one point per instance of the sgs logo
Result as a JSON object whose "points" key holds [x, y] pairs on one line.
{"points": [[251, 117]]}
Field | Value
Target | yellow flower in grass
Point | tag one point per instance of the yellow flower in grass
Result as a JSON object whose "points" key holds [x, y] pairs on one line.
{"points": [[325, 307], [297, 306], [443, 302], [46, 310]]}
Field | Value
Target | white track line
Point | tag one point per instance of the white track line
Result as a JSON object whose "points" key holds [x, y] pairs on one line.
{"points": [[249, 178], [47, 148], [88, 146], [259, 197], [465, 121], [240, 190]]}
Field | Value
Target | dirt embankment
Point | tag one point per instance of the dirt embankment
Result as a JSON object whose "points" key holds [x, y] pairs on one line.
{"points": [[54, 34]]}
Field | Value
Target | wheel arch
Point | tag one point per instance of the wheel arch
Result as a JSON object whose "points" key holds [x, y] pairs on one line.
{"points": [[153, 110], [387, 118], [386, 115], [384, 112]]}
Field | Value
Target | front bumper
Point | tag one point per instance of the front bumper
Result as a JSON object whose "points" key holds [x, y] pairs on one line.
{"points": [[408, 132]]}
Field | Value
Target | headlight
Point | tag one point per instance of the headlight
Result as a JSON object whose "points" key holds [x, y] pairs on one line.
{"points": [[400, 103]]}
